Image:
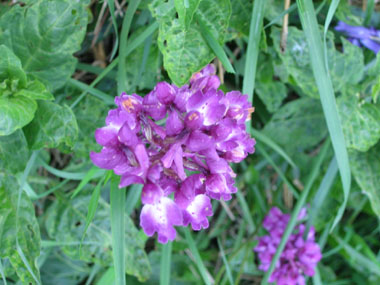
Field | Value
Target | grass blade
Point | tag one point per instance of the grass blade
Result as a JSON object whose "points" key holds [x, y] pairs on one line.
{"points": [[255, 30], [266, 140], [131, 47], [368, 12], [291, 9], [118, 230], [198, 260], [330, 14], [24, 176], [111, 6], [246, 214], [69, 175], [326, 91], [300, 203], [55, 188], [225, 261], [109, 100], [279, 171], [132, 7], [165, 265], [90, 175], [215, 46], [2, 273], [358, 257], [92, 206], [147, 46], [133, 196], [321, 193]]}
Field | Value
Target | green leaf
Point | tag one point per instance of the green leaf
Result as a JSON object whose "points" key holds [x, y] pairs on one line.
{"points": [[15, 111], [241, 15], [59, 269], [44, 37], [90, 114], [66, 221], [14, 152], [184, 50], [148, 77], [297, 125], [271, 92], [21, 225], [35, 90], [345, 68], [360, 122], [366, 168], [186, 10], [52, 126]]}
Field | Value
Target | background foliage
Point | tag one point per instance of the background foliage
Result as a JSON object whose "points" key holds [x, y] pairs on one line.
{"points": [[60, 66]]}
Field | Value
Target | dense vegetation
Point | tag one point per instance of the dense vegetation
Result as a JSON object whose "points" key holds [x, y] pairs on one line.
{"points": [[316, 122]]}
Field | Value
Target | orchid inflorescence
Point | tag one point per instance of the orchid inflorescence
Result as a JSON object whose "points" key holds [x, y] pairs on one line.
{"points": [[177, 142], [301, 253]]}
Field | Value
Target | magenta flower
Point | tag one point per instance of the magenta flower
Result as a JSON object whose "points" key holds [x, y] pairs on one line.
{"points": [[177, 142], [300, 255]]}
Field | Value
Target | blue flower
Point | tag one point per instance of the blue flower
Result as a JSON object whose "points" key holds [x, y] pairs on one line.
{"points": [[361, 36]]}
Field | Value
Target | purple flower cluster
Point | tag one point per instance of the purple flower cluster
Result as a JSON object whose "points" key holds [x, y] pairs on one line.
{"points": [[177, 142], [361, 36], [299, 257]]}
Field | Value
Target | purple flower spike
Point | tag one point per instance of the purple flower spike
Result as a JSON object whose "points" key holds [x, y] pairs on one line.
{"points": [[177, 142], [361, 36], [299, 257]]}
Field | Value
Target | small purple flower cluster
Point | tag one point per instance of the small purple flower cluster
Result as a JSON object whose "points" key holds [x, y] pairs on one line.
{"points": [[361, 36], [177, 140], [299, 257]]}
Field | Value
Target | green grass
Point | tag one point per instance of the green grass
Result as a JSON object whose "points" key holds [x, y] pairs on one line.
{"points": [[165, 266], [326, 92], [121, 80], [253, 48], [197, 258], [118, 230], [300, 203], [215, 46]]}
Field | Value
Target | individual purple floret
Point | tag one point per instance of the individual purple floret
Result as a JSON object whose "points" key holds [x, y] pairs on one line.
{"points": [[177, 142], [361, 36], [300, 255]]}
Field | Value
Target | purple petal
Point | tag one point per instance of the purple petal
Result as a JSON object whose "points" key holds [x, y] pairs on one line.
{"points": [[130, 103], [174, 124], [165, 93], [151, 193], [199, 141], [127, 137], [197, 212], [128, 179], [219, 187], [161, 217], [107, 136], [194, 120], [153, 107], [108, 158]]}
